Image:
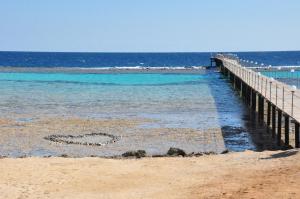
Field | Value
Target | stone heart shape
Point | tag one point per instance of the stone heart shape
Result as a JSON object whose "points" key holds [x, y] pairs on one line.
{"points": [[102, 139]]}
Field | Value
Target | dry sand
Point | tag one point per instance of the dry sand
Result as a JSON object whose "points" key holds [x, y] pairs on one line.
{"points": [[235, 175]]}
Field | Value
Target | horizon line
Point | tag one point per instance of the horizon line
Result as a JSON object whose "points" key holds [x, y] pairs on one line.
{"points": [[144, 52]]}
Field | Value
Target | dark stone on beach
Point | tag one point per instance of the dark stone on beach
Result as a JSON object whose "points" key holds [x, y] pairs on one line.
{"points": [[210, 153], [158, 156], [137, 154], [64, 155], [225, 151], [176, 152], [198, 154]]}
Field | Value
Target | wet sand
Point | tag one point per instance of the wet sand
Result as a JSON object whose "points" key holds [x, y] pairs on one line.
{"points": [[27, 138], [235, 175]]}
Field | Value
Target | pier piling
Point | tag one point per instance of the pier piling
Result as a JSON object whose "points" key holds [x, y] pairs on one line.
{"points": [[297, 135], [286, 130], [253, 101], [273, 121], [269, 115], [262, 109], [279, 121]]}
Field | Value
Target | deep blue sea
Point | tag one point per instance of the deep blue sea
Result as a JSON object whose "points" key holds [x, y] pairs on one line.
{"points": [[45, 59], [202, 104]]}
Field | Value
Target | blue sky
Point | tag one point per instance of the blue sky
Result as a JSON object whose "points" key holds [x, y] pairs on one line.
{"points": [[149, 25]]}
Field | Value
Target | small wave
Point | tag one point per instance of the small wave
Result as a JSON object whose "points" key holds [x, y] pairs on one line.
{"points": [[145, 68]]}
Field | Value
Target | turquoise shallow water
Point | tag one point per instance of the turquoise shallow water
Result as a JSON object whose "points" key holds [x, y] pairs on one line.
{"points": [[282, 74], [113, 79], [200, 101], [175, 99]]}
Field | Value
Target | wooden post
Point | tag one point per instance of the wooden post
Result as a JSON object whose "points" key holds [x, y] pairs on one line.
{"points": [[269, 115], [262, 109], [258, 108], [248, 95], [279, 121], [245, 92], [273, 121], [234, 82], [286, 130], [241, 89], [253, 100], [297, 135]]}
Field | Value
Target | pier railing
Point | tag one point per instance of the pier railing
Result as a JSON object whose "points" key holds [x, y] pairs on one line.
{"points": [[283, 96]]}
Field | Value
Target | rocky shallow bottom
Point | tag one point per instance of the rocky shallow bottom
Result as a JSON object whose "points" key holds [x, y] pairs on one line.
{"points": [[119, 138], [77, 137]]}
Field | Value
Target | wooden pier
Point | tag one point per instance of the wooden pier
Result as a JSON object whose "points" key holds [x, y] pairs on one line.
{"points": [[276, 104]]}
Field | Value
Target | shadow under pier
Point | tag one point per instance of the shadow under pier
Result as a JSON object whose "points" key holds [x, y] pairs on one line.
{"points": [[240, 126]]}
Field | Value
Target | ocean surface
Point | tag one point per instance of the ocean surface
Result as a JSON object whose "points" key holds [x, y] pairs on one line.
{"points": [[45, 59], [202, 100]]}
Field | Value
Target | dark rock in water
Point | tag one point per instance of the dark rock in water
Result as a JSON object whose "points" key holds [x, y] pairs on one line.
{"points": [[137, 154], [176, 152], [232, 130]]}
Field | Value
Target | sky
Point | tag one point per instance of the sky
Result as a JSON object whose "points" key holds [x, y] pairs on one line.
{"points": [[149, 25]]}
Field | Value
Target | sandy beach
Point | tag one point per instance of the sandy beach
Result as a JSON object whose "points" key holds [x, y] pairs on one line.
{"points": [[235, 175]]}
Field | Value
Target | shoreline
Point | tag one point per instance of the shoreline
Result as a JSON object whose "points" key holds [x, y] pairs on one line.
{"points": [[126, 157]]}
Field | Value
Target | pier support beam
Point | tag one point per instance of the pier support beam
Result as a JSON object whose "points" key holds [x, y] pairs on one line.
{"points": [[234, 82], [260, 109], [286, 130], [249, 95], [246, 97], [253, 104], [241, 89], [279, 121], [297, 135], [269, 116], [273, 121], [262, 116]]}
